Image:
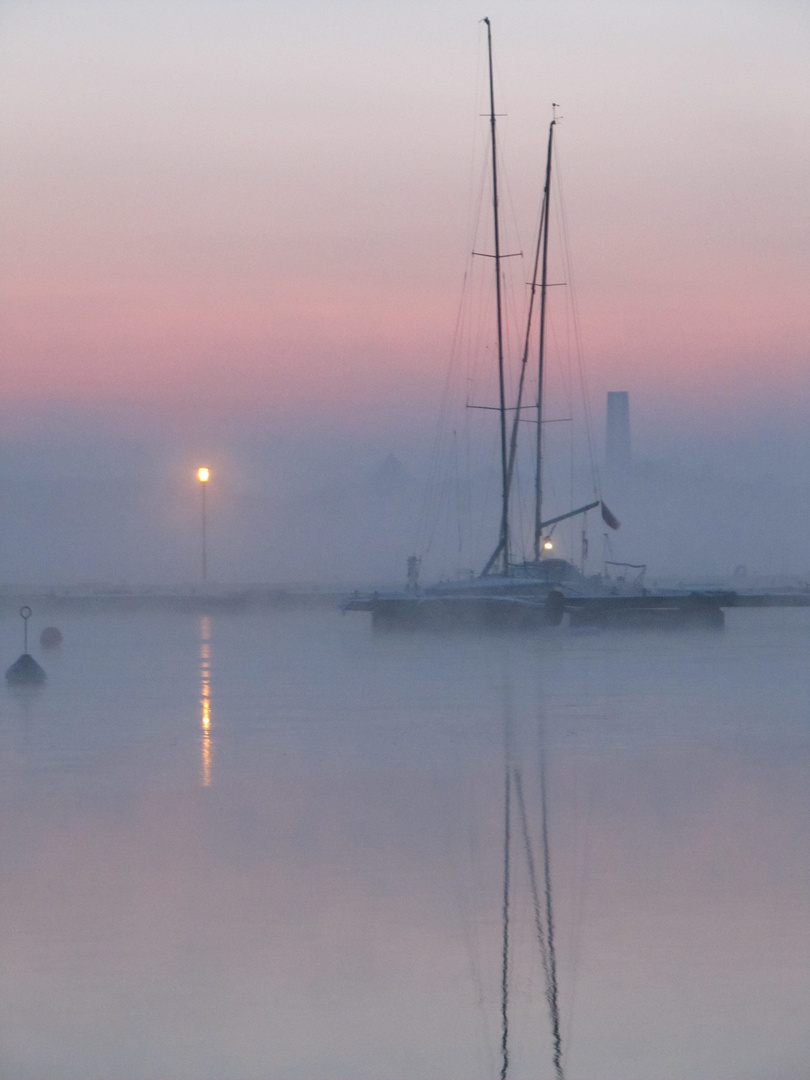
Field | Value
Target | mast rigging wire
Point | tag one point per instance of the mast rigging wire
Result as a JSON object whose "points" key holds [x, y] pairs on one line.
{"points": [[576, 327]]}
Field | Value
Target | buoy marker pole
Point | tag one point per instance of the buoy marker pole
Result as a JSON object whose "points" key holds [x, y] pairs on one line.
{"points": [[25, 611]]}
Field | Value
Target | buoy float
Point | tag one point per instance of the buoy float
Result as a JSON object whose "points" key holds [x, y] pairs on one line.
{"points": [[25, 671], [51, 637]]}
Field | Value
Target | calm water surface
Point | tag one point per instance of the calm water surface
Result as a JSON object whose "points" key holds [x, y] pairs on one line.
{"points": [[273, 846]]}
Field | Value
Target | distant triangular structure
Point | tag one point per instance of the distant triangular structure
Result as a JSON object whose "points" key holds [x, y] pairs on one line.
{"points": [[390, 473]]}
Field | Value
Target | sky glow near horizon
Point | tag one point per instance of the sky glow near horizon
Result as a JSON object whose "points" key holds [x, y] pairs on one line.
{"points": [[240, 233], [264, 208]]}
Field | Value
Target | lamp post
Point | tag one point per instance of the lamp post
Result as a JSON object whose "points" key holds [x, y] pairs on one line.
{"points": [[203, 475]]}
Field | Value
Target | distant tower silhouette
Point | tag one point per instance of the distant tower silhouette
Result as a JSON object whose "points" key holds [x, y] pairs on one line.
{"points": [[617, 455]]}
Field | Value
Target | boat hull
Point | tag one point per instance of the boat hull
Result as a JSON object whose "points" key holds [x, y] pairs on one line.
{"points": [[482, 613], [650, 612], [478, 614]]}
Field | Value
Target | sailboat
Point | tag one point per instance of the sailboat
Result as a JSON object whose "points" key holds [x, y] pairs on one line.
{"points": [[537, 591]]}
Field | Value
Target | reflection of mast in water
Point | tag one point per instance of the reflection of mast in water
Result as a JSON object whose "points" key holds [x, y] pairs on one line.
{"points": [[545, 933], [205, 697], [505, 954], [551, 984], [507, 776], [543, 914]]}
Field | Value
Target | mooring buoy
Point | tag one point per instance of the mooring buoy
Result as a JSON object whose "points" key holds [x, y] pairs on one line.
{"points": [[51, 637], [25, 671]]}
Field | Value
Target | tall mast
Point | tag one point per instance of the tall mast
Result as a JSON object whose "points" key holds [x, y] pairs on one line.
{"points": [[538, 480], [503, 543]]}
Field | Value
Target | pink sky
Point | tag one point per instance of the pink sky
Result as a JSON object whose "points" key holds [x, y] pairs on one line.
{"points": [[266, 207]]}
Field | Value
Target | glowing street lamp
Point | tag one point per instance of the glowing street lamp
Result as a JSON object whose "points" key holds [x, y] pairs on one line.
{"points": [[203, 476]]}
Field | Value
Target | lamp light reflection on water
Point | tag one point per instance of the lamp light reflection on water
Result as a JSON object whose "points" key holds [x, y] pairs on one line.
{"points": [[205, 697]]}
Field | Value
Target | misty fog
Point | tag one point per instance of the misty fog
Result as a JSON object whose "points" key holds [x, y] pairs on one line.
{"points": [[262, 839], [83, 502]]}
